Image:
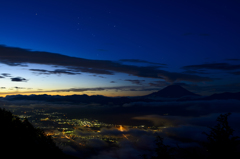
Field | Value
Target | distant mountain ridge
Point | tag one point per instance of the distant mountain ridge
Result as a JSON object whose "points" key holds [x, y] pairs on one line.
{"points": [[75, 99], [222, 96], [172, 91]]}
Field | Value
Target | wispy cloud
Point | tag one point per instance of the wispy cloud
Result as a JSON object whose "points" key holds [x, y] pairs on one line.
{"points": [[159, 83], [118, 88], [213, 66], [19, 79], [135, 81], [233, 59], [102, 50], [57, 71], [6, 74], [141, 61]]}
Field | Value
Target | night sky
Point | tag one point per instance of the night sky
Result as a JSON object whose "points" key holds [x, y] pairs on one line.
{"points": [[118, 47]]}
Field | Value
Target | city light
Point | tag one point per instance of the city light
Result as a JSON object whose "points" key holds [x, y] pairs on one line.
{"points": [[58, 126]]}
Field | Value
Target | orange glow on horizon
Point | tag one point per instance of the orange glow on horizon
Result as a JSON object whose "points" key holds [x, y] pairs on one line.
{"points": [[110, 93]]}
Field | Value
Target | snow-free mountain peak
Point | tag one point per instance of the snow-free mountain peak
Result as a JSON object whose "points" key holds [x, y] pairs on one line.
{"points": [[172, 91]]}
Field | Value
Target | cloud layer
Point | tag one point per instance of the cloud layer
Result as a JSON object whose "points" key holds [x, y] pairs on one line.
{"points": [[213, 66], [56, 71], [141, 61], [21, 57], [19, 79]]}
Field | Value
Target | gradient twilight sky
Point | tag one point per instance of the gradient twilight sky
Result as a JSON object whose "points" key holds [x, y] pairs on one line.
{"points": [[118, 47]]}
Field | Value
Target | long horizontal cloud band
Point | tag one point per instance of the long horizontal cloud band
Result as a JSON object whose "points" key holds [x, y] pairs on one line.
{"points": [[213, 66], [18, 57]]}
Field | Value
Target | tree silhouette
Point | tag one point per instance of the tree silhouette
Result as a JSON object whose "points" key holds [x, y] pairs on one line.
{"points": [[21, 139], [162, 151], [221, 143]]}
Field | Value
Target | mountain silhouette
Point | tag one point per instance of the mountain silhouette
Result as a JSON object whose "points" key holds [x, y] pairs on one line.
{"points": [[225, 95], [172, 91], [20, 139]]}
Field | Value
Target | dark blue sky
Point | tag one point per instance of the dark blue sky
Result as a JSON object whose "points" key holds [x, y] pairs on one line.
{"points": [[181, 38]]}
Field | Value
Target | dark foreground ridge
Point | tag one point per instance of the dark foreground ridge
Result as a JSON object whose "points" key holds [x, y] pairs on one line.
{"points": [[20, 139]]}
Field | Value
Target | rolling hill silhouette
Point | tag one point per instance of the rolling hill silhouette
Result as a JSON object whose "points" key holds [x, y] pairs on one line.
{"points": [[222, 96]]}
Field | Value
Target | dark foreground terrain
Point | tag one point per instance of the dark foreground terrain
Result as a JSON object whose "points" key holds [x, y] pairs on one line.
{"points": [[21, 139]]}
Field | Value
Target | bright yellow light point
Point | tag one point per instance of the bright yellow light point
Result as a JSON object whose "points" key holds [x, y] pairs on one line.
{"points": [[121, 128]]}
